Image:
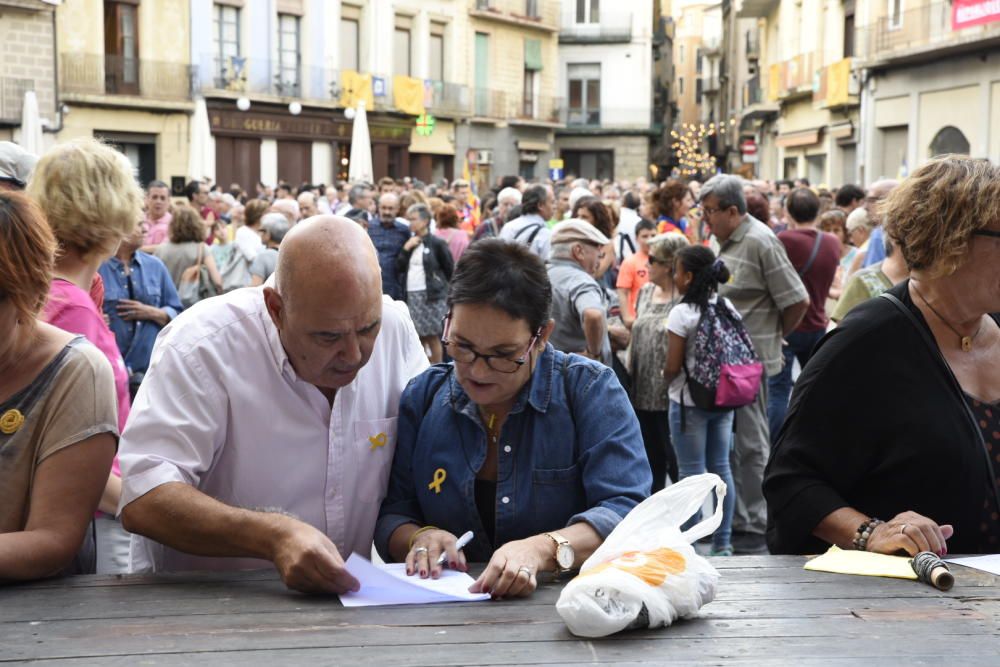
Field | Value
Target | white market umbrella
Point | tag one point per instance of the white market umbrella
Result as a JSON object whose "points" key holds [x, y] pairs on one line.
{"points": [[31, 125], [361, 149], [201, 156]]}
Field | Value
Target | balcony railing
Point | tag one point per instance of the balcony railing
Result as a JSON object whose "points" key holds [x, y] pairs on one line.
{"points": [[319, 84], [608, 118], [752, 92], [500, 105], [791, 78], [924, 28], [12, 98], [614, 27], [753, 44], [99, 74], [709, 84]]}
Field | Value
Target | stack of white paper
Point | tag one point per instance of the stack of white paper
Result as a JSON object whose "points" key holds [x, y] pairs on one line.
{"points": [[388, 584], [989, 563]]}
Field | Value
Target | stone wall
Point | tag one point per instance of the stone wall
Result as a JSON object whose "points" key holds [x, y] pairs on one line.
{"points": [[27, 52]]}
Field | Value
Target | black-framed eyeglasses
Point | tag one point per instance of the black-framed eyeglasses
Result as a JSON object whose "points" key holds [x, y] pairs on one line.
{"points": [[464, 354], [653, 260], [987, 232]]}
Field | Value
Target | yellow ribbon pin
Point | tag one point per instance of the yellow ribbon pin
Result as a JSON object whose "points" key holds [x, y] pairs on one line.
{"points": [[11, 421], [377, 441], [439, 476]]}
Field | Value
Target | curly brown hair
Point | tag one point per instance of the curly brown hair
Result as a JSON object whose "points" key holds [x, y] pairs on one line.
{"points": [[187, 225], [931, 216], [27, 255], [669, 196]]}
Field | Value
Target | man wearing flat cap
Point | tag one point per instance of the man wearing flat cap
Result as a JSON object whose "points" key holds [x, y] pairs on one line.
{"points": [[16, 165], [579, 304]]}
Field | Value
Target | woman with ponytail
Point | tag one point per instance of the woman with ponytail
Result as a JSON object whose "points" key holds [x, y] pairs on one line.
{"points": [[701, 438]]}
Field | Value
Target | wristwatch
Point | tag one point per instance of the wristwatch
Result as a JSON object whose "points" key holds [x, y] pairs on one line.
{"points": [[565, 556]]}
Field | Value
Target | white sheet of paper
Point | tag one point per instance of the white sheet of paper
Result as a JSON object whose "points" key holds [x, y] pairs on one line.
{"points": [[388, 584], [990, 563]]}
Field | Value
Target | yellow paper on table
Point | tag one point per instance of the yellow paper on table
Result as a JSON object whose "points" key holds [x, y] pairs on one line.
{"points": [[862, 562]]}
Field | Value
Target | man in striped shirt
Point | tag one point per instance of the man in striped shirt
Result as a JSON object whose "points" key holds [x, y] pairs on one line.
{"points": [[772, 300]]}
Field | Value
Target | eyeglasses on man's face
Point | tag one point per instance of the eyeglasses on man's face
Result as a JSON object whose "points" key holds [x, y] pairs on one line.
{"points": [[501, 363]]}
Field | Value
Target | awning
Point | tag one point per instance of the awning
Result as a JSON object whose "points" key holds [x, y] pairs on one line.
{"points": [[538, 146], [841, 130], [439, 142], [800, 138]]}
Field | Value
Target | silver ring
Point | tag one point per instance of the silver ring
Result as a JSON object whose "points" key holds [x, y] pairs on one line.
{"points": [[525, 569], [902, 531], [420, 550]]}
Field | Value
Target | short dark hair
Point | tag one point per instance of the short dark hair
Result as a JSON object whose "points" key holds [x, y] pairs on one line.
{"points": [[191, 189], [631, 200], [802, 204], [157, 184], [509, 182], [644, 225], [757, 206], [507, 276], [847, 194], [532, 199]]}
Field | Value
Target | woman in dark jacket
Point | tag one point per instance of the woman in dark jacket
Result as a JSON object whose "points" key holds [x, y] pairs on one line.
{"points": [[918, 371], [424, 267]]}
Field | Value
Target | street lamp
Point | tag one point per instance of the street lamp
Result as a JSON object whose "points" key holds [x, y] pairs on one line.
{"points": [[243, 103]]}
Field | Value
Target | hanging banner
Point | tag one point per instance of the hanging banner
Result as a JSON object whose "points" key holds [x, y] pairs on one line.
{"points": [[967, 13], [408, 95], [355, 87]]}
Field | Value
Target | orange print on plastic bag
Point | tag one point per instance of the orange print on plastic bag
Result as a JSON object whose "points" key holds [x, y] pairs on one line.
{"points": [[653, 567]]}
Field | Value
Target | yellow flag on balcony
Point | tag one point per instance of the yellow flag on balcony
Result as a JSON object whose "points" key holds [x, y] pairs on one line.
{"points": [[408, 95], [774, 83], [838, 83], [354, 87]]}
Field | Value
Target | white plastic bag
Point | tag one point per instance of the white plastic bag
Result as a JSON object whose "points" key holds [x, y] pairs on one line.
{"points": [[647, 574]]}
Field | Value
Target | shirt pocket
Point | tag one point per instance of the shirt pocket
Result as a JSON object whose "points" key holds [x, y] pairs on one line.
{"points": [[374, 444], [556, 476], [556, 495]]}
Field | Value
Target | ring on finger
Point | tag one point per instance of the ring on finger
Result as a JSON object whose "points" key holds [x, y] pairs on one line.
{"points": [[526, 570], [902, 529], [419, 550]]}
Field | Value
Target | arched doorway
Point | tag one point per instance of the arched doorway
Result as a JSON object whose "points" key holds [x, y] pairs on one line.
{"points": [[949, 139]]}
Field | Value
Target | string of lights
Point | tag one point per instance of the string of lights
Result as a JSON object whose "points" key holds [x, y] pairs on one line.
{"points": [[690, 146]]}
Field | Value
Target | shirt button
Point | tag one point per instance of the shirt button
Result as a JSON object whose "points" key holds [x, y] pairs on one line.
{"points": [[506, 448], [505, 500]]}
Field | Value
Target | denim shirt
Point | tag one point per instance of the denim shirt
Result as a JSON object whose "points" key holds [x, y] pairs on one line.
{"points": [[389, 241], [151, 285], [562, 459]]}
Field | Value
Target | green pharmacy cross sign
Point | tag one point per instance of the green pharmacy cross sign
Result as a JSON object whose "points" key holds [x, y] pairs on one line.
{"points": [[425, 124]]}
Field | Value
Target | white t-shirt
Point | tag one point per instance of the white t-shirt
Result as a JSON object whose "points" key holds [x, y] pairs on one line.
{"points": [[683, 321], [249, 243], [416, 280]]}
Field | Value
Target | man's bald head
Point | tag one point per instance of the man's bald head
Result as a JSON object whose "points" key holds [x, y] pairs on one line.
{"points": [[388, 206], [327, 299], [307, 204], [878, 191], [326, 249]]}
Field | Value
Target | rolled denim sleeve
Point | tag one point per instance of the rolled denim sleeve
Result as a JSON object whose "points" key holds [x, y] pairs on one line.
{"points": [[615, 471], [400, 505]]}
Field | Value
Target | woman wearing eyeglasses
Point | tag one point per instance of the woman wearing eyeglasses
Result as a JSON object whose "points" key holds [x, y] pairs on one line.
{"points": [[916, 466], [537, 452]]}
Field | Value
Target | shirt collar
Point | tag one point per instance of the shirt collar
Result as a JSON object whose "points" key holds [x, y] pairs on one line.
{"points": [[537, 392], [741, 231], [278, 353]]}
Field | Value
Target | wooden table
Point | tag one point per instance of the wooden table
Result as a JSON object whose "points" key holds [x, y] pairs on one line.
{"points": [[768, 610]]}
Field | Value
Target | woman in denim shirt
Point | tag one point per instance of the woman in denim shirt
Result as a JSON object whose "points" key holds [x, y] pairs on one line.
{"points": [[514, 440]]}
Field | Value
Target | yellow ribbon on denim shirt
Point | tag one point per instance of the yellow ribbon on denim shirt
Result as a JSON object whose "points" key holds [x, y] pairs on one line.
{"points": [[439, 476], [377, 441]]}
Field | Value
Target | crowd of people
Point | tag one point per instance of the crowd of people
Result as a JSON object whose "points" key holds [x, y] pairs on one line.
{"points": [[170, 366]]}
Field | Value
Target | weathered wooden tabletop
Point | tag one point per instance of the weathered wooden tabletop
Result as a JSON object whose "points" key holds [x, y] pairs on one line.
{"points": [[768, 610]]}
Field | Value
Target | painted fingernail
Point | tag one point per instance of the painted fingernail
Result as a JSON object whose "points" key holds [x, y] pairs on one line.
{"points": [[423, 573]]}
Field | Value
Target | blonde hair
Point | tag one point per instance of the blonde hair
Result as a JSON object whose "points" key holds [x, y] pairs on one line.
{"points": [[88, 194], [931, 216], [664, 247]]}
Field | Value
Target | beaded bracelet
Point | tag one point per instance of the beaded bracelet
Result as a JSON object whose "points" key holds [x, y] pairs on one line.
{"points": [[413, 536], [864, 532]]}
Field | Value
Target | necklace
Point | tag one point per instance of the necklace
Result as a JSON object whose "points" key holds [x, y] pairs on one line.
{"points": [[966, 340]]}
